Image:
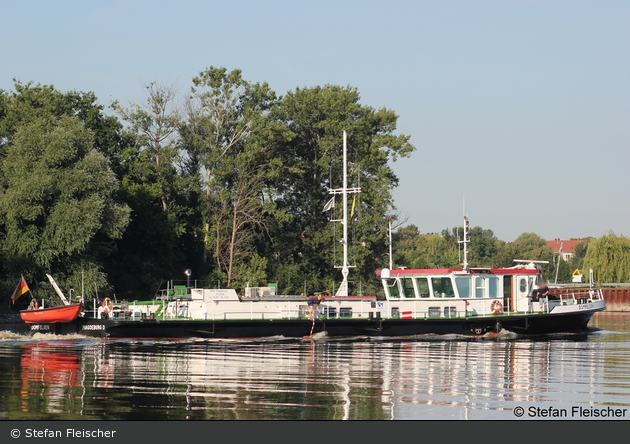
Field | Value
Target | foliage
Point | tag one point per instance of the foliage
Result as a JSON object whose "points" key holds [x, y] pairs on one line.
{"points": [[609, 257], [309, 144], [30, 102], [57, 206], [231, 184], [226, 133], [162, 194], [415, 250]]}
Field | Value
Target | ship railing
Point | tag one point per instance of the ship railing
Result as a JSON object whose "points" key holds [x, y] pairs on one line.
{"points": [[449, 310], [581, 296], [256, 315]]}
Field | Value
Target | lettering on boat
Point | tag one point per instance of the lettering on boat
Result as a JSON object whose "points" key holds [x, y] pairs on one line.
{"points": [[93, 327], [588, 306], [40, 327]]}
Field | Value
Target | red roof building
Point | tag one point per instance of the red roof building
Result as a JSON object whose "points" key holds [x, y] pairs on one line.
{"points": [[568, 247]]}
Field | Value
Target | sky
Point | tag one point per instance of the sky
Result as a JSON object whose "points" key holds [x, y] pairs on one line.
{"points": [[519, 109]]}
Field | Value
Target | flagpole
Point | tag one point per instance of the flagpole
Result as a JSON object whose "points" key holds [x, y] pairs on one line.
{"points": [[29, 288]]}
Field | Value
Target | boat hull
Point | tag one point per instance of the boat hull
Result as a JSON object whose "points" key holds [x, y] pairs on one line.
{"points": [[52, 315], [533, 324], [575, 321]]}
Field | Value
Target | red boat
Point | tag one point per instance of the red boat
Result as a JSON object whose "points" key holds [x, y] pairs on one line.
{"points": [[52, 315]]}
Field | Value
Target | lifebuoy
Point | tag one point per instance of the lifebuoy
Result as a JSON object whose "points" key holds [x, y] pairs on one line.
{"points": [[496, 307], [107, 305]]}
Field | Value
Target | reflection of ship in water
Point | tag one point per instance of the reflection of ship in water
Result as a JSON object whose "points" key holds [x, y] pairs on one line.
{"points": [[47, 372], [339, 380], [327, 379], [453, 379]]}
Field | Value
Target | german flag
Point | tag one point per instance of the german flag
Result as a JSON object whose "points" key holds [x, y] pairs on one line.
{"points": [[20, 290]]}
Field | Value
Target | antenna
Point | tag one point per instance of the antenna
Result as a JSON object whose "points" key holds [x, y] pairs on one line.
{"points": [[466, 237], [559, 256], [389, 232]]}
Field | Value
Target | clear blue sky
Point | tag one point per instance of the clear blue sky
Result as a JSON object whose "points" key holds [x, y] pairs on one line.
{"points": [[520, 108]]}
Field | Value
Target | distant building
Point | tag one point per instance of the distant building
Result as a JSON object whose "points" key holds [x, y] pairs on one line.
{"points": [[568, 247]]}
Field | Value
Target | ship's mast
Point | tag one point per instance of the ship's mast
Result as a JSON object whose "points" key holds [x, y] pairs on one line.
{"points": [[465, 241], [344, 190]]}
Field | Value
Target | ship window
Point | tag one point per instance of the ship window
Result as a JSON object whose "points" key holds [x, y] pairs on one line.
{"points": [[523, 285], [493, 287], [408, 288], [442, 287], [392, 286], [480, 286], [423, 287], [345, 312], [463, 286]]}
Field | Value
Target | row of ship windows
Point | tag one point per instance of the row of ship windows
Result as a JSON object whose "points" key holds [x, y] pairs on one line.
{"points": [[442, 287]]}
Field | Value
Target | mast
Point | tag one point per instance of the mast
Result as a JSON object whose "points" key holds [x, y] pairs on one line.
{"points": [[465, 241], [344, 190], [343, 288]]}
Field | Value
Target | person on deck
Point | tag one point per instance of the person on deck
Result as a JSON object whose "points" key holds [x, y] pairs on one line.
{"points": [[543, 292], [313, 303]]}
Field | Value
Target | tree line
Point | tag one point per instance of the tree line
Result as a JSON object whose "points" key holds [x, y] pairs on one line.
{"points": [[228, 180]]}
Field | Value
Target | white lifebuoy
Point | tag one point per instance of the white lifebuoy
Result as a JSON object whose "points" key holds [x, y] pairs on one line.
{"points": [[496, 307], [107, 305]]}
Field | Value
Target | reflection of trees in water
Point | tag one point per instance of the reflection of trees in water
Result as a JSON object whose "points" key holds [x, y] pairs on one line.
{"points": [[363, 379]]}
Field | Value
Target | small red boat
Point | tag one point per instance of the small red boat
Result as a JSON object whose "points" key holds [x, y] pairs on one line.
{"points": [[52, 315]]}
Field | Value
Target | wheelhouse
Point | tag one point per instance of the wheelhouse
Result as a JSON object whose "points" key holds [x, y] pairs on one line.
{"points": [[512, 287]]}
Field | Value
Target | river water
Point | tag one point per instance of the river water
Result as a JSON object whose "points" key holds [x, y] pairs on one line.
{"points": [[428, 377]]}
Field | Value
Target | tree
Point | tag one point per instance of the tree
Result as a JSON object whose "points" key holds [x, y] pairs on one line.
{"points": [[32, 101], [309, 143], [609, 257], [415, 250], [226, 133], [154, 129], [162, 193], [483, 246], [58, 202], [530, 246]]}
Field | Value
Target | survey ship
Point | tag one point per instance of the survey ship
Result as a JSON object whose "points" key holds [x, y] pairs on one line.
{"points": [[464, 301]]}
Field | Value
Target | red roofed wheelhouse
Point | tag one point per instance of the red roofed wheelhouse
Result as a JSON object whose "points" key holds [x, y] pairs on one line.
{"points": [[512, 297]]}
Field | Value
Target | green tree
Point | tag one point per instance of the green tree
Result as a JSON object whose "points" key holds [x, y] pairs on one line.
{"points": [[154, 129], [431, 250], [565, 274], [609, 257], [483, 246], [310, 146], [30, 102], [162, 194], [227, 134], [530, 246], [58, 202]]}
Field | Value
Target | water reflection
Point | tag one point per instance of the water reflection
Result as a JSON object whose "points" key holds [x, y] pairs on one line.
{"points": [[425, 378]]}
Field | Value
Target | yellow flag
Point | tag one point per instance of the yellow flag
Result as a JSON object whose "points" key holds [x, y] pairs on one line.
{"points": [[354, 201]]}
